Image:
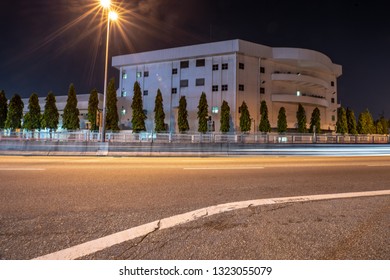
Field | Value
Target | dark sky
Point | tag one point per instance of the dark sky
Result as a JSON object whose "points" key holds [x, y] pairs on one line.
{"points": [[48, 44]]}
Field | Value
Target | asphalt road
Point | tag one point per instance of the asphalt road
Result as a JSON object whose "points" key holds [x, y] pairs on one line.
{"points": [[52, 203]]}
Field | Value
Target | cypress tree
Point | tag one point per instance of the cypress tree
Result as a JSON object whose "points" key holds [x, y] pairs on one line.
{"points": [[182, 121], [301, 119], [315, 121], [203, 108], [112, 117], [139, 117], [159, 115], [245, 118], [15, 113], [264, 125], [365, 123], [51, 116], [342, 123], [382, 125], [351, 122], [282, 120], [70, 119], [225, 117], [3, 109], [32, 119], [93, 107]]}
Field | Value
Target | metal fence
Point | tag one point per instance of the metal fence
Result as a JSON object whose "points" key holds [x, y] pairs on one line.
{"points": [[123, 137]]}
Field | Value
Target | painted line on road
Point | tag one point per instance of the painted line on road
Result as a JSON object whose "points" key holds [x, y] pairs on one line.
{"points": [[22, 169], [224, 168], [96, 245]]}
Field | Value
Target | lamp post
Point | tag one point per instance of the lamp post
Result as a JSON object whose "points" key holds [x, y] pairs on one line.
{"points": [[111, 15]]}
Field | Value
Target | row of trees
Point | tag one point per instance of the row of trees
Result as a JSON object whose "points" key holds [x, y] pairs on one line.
{"points": [[11, 115], [346, 123], [139, 116]]}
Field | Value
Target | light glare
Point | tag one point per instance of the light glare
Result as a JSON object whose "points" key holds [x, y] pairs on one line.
{"points": [[113, 15], [105, 3]]}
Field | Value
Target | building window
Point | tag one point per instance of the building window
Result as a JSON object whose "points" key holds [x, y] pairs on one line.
{"points": [[199, 82], [123, 93], [146, 74], [214, 110], [146, 92], [139, 74], [183, 83], [123, 111], [174, 71], [200, 62], [333, 118], [241, 87], [124, 75], [298, 93], [215, 67], [332, 100], [224, 87], [215, 88], [225, 66], [332, 83], [241, 66], [262, 90], [184, 64], [174, 90], [262, 70]]}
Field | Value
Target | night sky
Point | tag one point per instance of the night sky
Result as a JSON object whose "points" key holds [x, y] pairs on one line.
{"points": [[48, 44]]}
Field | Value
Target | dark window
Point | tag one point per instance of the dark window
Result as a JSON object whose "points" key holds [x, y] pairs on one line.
{"points": [[225, 66], [146, 92], [241, 66], [183, 83], [332, 100], [215, 88], [215, 67], [332, 83], [174, 90], [262, 90], [200, 62], [333, 118], [146, 74], [262, 70], [224, 87], [184, 64], [241, 87], [174, 71], [199, 82]]}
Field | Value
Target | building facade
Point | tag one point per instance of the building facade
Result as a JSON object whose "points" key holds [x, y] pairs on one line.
{"points": [[234, 71]]}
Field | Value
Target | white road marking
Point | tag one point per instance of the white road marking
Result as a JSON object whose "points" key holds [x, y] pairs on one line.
{"points": [[224, 168], [96, 245], [22, 169]]}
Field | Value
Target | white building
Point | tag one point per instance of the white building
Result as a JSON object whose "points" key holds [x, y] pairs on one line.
{"points": [[234, 71]]}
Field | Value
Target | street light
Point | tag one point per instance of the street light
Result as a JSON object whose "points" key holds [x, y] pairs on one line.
{"points": [[111, 16]]}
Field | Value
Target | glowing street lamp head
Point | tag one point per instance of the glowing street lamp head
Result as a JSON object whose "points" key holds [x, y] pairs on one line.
{"points": [[105, 3], [113, 15]]}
